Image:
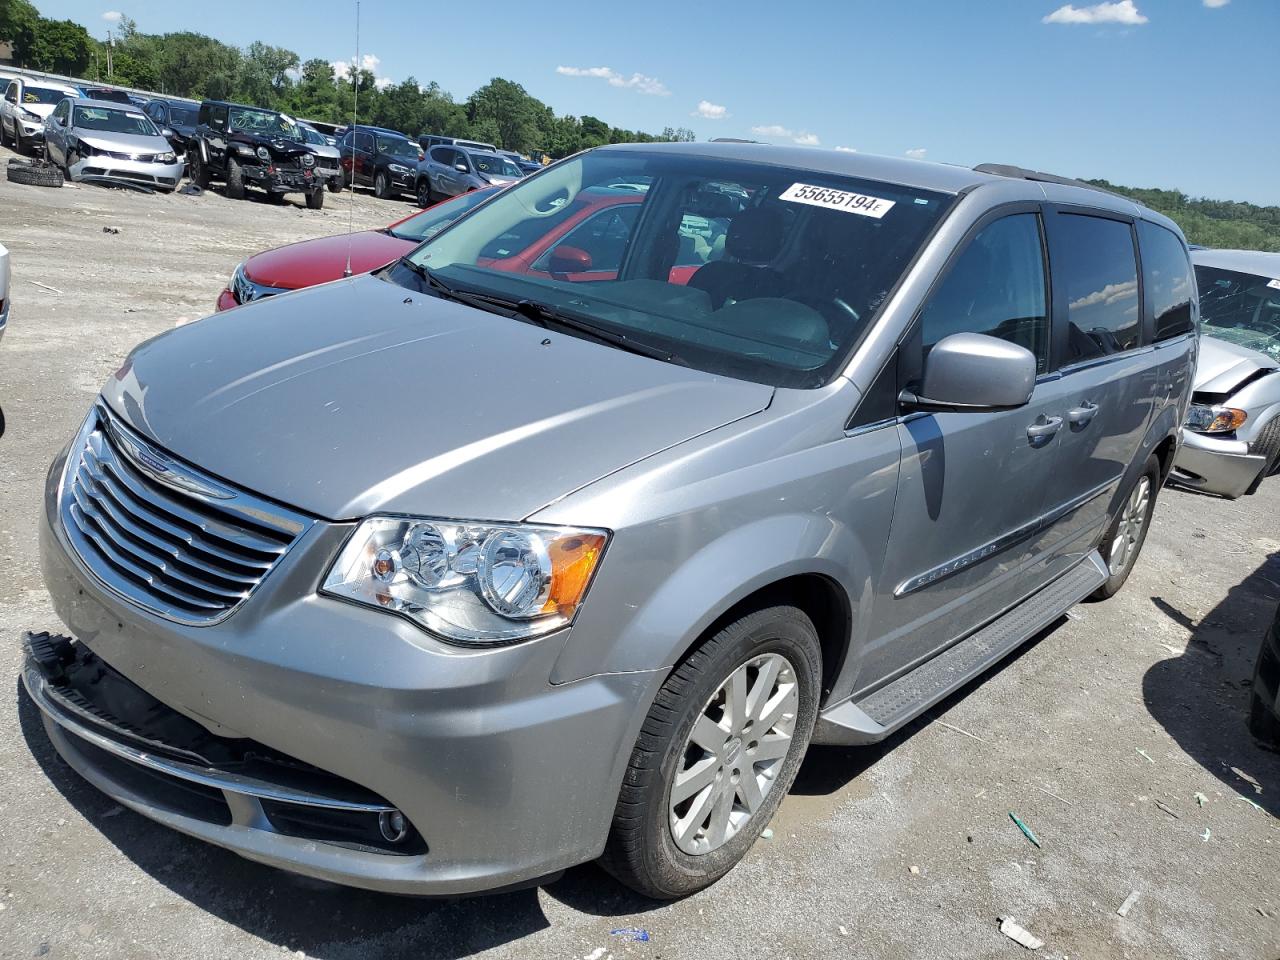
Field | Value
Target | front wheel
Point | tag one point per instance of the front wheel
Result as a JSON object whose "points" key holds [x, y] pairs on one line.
{"points": [[197, 171], [1128, 530], [718, 751]]}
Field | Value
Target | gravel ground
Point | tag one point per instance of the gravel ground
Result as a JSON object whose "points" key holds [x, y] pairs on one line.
{"points": [[904, 850]]}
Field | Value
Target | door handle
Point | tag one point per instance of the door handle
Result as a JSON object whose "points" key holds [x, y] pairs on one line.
{"points": [[1042, 431], [1080, 416]]}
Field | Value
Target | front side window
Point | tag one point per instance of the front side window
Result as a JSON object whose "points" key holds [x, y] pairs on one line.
{"points": [[218, 118], [1242, 308], [789, 265], [1093, 260], [442, 155], [997, 288], [11, 93], [1167, 280]]}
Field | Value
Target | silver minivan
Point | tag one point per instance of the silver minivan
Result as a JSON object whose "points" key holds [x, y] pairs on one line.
{"points": [[563, 537]]}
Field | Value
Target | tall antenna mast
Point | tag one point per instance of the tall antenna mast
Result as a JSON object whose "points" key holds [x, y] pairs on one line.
{"points": [[355, 104]]}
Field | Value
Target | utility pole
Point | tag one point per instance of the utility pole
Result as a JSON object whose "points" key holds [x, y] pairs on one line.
{"points": [[110, 45]]}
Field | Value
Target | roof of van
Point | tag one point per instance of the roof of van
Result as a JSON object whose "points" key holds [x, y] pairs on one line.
{"points": [[923, 174], [1241, 261]]}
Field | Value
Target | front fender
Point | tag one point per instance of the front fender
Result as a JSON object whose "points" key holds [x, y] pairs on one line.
{"points": [[669, 620]]}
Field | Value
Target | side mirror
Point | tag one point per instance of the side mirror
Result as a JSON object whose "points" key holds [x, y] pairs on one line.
{"points": [[971, 371], [569, 260], [167, 133], [462, 168]]}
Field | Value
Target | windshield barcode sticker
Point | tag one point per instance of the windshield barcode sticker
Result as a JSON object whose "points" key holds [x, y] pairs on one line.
{"points": [[1274, 284], [842, 200]]}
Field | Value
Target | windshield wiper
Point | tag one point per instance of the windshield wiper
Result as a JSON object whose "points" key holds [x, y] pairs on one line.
{"points": [[546, 316], [477, 300]]}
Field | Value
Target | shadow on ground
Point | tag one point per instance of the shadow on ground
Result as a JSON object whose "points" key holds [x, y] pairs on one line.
{"points": [[1201, 698], [337, 923]]}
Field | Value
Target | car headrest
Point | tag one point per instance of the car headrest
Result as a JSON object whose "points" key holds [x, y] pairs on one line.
{"points": [[755, 236]]}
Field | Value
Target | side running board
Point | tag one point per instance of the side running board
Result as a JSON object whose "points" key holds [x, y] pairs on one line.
{"points": [[883, 711]]}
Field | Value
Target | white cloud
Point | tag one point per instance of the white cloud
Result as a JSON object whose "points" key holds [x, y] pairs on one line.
{"points": [[806, 139], [1111, 294], [382, 83], [637, 81], [1214, 4], [917, 153], [846, 149], [1119, 11], [342, 68], [710, 111], [113, 16], [771, 130]]}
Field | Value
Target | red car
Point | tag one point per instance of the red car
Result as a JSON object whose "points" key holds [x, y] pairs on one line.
{"points": [[309, 262], [587, 244]]}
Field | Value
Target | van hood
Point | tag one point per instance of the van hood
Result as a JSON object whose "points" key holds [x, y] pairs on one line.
{"points": [[358, 397], [1222, 366]]}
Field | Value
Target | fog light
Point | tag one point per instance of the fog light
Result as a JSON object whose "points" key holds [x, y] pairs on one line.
{"points": [[393, 826]]}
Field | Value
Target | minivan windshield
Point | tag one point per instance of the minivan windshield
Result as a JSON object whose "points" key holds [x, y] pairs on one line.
{"points": [[752, 270], [1241, 308]]}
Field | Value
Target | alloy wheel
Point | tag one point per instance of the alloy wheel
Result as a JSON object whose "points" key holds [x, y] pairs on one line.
{"points": [[1133, 520], [734, 753]]}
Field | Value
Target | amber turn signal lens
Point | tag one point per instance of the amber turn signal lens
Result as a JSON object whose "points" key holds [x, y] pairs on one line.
{"points": [[573, 560]]}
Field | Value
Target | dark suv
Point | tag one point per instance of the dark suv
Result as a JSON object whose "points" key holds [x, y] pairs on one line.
{"points": [[244, 146], [386, 160], [174, 116]]}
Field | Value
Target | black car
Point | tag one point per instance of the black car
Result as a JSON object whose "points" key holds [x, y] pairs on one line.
{"points": [[250, 146], [1264, 711], [110, 94], [386, 160], [175, 118]]}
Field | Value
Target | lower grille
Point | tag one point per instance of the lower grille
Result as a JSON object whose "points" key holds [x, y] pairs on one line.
{"points": [[165, 536]]}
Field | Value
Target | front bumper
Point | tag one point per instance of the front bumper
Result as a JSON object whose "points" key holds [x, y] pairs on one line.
{"points": [[1216, 465], [282, 180], [507, 777], [32, 129], [164, 176]]}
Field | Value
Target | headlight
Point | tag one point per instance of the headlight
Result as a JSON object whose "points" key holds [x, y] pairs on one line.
{"points": [[397, 167], [169, 157], [1203, 418], [264, 154], [243, 148], [470, 583], [28, 115]]}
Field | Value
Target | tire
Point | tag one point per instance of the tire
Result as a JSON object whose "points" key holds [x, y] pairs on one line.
{"points": [[1120, 556], [34, 174], [646, 850], [381, 185], [315, 199], [235, 180], [1267, 445], [4, 138], [423, 193], [197, 171], [19, 145], [69, 160]]}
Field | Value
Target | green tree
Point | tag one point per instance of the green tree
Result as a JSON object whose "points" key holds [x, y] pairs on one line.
{"points": [[505, 113], [59, 46], [17, 21]]}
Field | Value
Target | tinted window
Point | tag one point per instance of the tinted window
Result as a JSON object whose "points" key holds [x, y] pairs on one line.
{"points": [[1094, 262], [1242, 308], [364, 141], [218, 117], [997, 288], [1166, 280], [442, 155]]}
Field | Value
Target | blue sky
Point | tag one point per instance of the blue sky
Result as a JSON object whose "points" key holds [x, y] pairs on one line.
{"points": [[1170, 93]]}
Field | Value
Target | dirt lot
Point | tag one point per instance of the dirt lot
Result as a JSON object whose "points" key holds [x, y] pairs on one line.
{"points": [[902, 851]]}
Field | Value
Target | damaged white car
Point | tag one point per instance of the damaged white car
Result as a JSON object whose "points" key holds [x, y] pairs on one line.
{"points": [[1232, 434], [106, 142]]}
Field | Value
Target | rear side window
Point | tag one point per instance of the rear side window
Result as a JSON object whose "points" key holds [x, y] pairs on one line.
{"points": [[1094, 263], [1167, 280], [996, 288]]}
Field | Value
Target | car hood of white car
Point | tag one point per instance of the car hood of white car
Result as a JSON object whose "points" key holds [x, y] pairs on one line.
{"points": [[124, 142], [1223, 366]]}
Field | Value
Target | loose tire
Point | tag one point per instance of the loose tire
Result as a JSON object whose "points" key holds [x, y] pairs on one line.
{"points": [[381, 185], [39, 173], [716, 755], [315, 199], [1128, 530], [235, 181], [198, 172], [1267, 445]]}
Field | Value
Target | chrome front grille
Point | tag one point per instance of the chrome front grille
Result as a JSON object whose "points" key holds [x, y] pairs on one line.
{"points": [[163, 535]]}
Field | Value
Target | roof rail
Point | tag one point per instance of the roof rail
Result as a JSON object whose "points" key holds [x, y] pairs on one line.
{"points": [[1022, 173], [730, 140]]}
